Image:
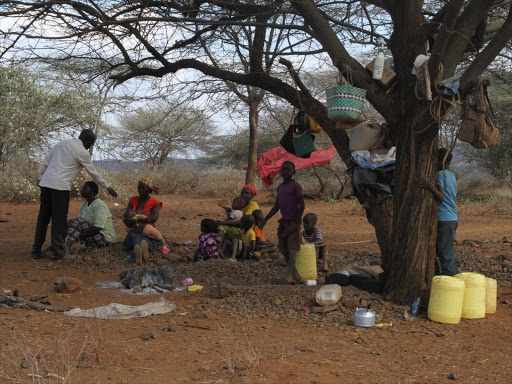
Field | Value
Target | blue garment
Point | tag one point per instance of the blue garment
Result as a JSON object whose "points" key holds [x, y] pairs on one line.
{"points": [[447, 210], [132, 238]]}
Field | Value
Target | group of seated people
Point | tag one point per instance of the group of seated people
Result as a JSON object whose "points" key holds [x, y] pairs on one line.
{"points": [[239, 237]]}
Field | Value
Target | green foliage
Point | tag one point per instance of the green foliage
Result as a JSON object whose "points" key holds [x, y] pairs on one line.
{"points": [[32, 112]]}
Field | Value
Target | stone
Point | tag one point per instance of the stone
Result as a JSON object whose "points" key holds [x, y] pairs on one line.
{"points": [[174, 258], [452, 376], [67, 285], [506, 263], [147, 335], [161, 262], [324, 308]]}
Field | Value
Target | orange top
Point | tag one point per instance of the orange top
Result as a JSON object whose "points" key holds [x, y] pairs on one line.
{"points": [[148, 207], [259, 232]]}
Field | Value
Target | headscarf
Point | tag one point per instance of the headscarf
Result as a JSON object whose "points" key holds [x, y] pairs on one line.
{"points": [[149, 182], [251, 187]]}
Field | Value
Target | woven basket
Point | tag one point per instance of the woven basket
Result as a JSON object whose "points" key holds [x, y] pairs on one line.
{"points": [[345, 102]]}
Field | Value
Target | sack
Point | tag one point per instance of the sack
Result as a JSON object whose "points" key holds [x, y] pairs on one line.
{"points": [[296, 143], [303, 143], [478, 125], [364, 137], [345, 102]]}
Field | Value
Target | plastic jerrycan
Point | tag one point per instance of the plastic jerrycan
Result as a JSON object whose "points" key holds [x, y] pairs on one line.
{"points": [[446, 299], [329, 294], [491, 295], [474, 295], [305, 262]]}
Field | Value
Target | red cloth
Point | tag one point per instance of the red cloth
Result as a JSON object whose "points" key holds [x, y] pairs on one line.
{"points": [[148, 207], [270, 162]]}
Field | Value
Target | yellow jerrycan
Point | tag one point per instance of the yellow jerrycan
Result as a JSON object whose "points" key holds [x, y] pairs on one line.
{"points": [[446, 299], [474, 295], [305, 262], [491, 295]]}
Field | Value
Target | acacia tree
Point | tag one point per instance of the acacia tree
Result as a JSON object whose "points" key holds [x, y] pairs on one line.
{"points": [[159, 38], [153, 134]]}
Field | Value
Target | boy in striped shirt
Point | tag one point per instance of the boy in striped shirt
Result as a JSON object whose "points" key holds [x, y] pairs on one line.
{"points": [[313, 235]]}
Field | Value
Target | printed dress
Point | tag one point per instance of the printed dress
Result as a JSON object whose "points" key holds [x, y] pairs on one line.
{"points": [[208, 246]]}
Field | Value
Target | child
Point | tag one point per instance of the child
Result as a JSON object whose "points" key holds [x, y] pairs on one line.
{"points": [[130, 219], [313, 235], [261, 243], [235, 212], [209, 241], [244, 247], [447, 219], [290, 201]]}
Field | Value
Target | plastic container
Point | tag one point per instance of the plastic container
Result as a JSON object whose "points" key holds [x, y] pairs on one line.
{"points": [[165, 249], [329, 294], [446, 299], [491, 295], [474, 295], [187, 282], [305, 262], [195, 288]]}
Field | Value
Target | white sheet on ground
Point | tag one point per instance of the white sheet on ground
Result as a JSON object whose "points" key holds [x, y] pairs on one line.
{"points": [[120, 311]]}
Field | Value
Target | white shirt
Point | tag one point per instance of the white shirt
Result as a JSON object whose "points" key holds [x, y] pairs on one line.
{"points": [[62, 164]]}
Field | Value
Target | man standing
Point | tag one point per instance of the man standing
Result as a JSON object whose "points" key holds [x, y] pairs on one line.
{"points": [[59, 169]]}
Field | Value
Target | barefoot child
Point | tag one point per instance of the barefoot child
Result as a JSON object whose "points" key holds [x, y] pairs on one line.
{"points": [[261, 242], [445, 194], [313, 235], [290, 201], [243, 248]]}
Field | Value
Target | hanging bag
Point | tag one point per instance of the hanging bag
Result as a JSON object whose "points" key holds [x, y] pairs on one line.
{"points": [[478, 125], [345, 102]]}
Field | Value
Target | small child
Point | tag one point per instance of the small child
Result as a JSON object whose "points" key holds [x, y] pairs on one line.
{"points": [[146, 229], [209, 241], [290, 201], [313, 235], [235, 212], [445, 194], [243, 248], [261, 243]]}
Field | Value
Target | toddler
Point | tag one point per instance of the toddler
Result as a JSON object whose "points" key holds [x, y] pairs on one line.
{"points": [[146, 229], [243, 248], [235, 212], [313, 235], [209, 241]]}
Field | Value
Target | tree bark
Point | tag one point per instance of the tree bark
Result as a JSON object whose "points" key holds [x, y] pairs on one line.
{"points": [[253, 141], [381, 215]]}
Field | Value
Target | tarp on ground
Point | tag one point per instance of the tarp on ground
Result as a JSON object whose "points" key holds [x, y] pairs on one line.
{"points": [[270, 162]]}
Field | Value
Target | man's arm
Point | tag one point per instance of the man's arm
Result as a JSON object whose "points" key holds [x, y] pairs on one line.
{"points": [[85, 161], [437, 192], [301, 210], [45, 163], [272, 212]]}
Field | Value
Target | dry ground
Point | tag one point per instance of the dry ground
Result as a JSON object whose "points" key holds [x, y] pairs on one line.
{"points": [[240, 339]]}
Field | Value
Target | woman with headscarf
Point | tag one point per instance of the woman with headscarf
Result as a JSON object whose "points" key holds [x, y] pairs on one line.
{"points": [[147, 210], [232, 229]]}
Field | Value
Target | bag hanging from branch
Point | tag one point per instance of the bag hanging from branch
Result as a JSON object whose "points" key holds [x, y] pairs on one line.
{"points": [[345, 102], [478, 125], [298, 139]]}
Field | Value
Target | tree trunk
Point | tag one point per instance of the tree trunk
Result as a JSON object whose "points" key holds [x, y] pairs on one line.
{"points": [[253, 142], [381, 216], [411, 262]]}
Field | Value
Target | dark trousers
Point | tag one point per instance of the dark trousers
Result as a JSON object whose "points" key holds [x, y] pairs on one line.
{"points": [[54, 205], [133, 238], [445, 250]]}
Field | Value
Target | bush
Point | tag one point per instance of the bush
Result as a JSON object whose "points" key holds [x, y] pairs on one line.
{"points": [[19, 186]]}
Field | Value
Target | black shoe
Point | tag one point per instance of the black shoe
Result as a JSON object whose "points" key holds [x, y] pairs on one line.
{"points": [[36, 255]]}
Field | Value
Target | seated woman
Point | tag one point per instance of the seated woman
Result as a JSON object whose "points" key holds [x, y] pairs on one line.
{"points": [[147, 210], [93, 226], [232, 229]]}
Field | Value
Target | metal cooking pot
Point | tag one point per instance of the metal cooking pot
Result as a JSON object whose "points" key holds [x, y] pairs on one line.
{"points": [[364, 316]]}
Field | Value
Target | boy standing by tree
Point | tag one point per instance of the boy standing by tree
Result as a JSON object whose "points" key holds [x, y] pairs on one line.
{"points": [[290, 201], [447, 219]]}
